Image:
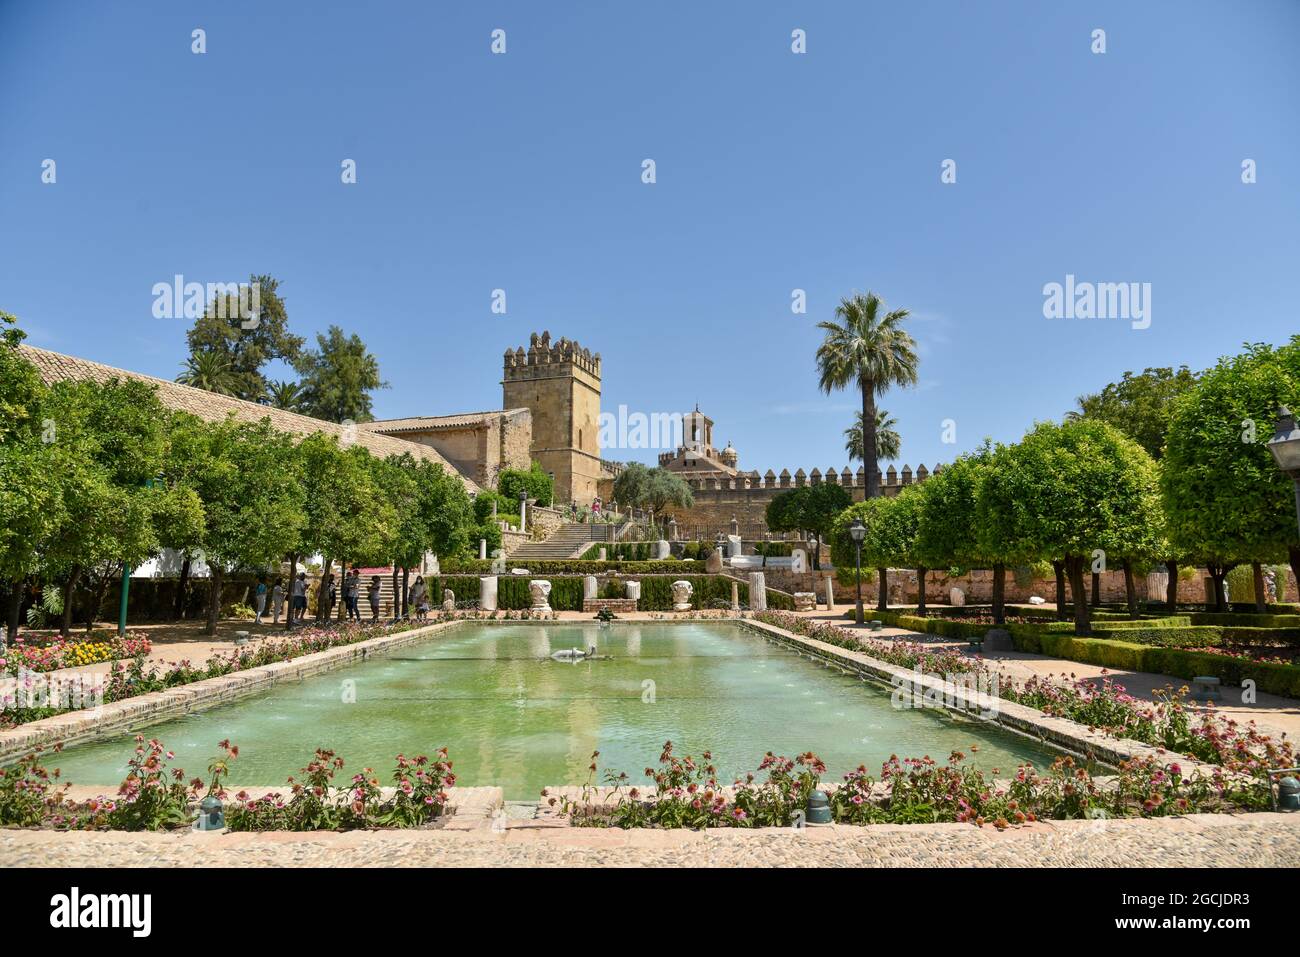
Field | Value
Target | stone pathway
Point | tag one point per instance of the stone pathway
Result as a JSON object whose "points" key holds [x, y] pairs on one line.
{"points": [[1257, 840]]}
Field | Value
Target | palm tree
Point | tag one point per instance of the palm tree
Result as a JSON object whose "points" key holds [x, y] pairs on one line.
{"points": [[208, 370], [871, 351], [285, 395], [888, 441]]}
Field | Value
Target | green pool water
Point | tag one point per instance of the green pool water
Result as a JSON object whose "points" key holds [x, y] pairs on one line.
{"points": [[513, 717]]}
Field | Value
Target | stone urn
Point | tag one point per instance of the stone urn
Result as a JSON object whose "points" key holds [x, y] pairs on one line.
{"points": [[540, 590], [448, 600], [682, 591]]}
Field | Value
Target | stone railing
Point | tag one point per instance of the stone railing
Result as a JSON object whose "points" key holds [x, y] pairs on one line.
{"points": [[890, 478]]}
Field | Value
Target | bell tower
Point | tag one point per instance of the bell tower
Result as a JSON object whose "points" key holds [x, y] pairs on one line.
{"points": [[559, 384]]}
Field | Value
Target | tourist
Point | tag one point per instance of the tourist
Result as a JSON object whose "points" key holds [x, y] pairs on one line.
{"points": [[354, 601], [331, 596], [299, 606], [277, 600], [573, 510], [259, 599], [595, 509], [419, 597], [372, 593]]}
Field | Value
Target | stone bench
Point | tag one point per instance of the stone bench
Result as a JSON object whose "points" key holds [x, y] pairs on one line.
{"points": [[616, 605]]}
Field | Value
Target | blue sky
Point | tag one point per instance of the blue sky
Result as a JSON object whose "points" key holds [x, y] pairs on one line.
{"points": [[775, 171]]}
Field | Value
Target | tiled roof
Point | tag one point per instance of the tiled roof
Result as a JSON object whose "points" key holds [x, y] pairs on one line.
{"points": [[426, 423], [55, 367]]}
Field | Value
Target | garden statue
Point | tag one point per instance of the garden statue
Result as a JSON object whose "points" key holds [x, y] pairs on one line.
{"points": [[448, 600], [682, 591], [540, 590]]}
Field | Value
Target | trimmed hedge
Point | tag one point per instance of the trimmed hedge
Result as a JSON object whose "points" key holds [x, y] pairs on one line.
{"points": [[1245, 620], [1111, 653], [621, 551]]}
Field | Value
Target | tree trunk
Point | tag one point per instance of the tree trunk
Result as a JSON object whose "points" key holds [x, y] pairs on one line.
{"points": [[920, 592], [1059, 568], [14, 610], [999, 593], [1082, 613], [100, 593], [1217, 574], [883, 602], [1261, 602], [69, 585], [293, 576], [214, 598], [1293, 556], [869, 438], [180, 589], [322, 593], [1130, 589], [406, 592], [1096, 589], [1171, 587]]}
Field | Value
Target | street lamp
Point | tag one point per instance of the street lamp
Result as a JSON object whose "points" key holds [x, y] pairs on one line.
{"points": [[1285, 446], [858, 531]]}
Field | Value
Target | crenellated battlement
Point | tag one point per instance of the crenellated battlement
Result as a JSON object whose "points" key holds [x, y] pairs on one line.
{"points": [[545, 359], [890, 478]]}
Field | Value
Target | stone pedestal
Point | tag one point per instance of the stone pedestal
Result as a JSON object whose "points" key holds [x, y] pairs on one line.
{"points": [[589, 587], [757, 591], [682, 591], [487, 593], [957, 598], [634, 590], [798, 561], [734, 546], [540, 591], [603, 554]]}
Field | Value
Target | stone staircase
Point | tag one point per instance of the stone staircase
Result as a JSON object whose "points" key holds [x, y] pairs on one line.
{"points": [[568, 541]]}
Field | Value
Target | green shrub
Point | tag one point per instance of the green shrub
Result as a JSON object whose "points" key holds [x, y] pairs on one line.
{"points": [[541, 568]]}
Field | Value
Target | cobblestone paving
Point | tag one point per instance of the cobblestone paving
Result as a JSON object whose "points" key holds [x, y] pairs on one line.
{"points": [[1263, 840]]}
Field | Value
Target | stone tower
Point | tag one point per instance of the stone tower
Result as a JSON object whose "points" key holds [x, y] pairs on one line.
{"points": [[559, 383]]}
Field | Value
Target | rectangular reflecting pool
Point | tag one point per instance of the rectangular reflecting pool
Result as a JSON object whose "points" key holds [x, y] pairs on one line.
{"points": [[516, 718]]}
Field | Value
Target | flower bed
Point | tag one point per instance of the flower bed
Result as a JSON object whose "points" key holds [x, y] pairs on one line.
{"points": [[155, 796], [51, 653], [140, 676], [688, 794]]}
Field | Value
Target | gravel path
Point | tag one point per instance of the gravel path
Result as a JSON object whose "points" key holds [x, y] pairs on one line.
{"points": [[1258, 840]]}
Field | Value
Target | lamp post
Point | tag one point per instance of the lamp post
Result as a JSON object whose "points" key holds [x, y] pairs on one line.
{"points": [[523, 510], [1285, 446], [858, 531]]}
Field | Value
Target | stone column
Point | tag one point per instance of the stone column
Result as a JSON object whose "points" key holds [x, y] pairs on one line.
{"points": [[487, 593], [482, 548], [603, 554], [589, 588], [830, 594], [633, 590], [735, 596], [757, 591]]}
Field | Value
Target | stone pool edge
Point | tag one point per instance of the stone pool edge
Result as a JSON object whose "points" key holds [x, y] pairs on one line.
{"points": [[87, 724]]}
